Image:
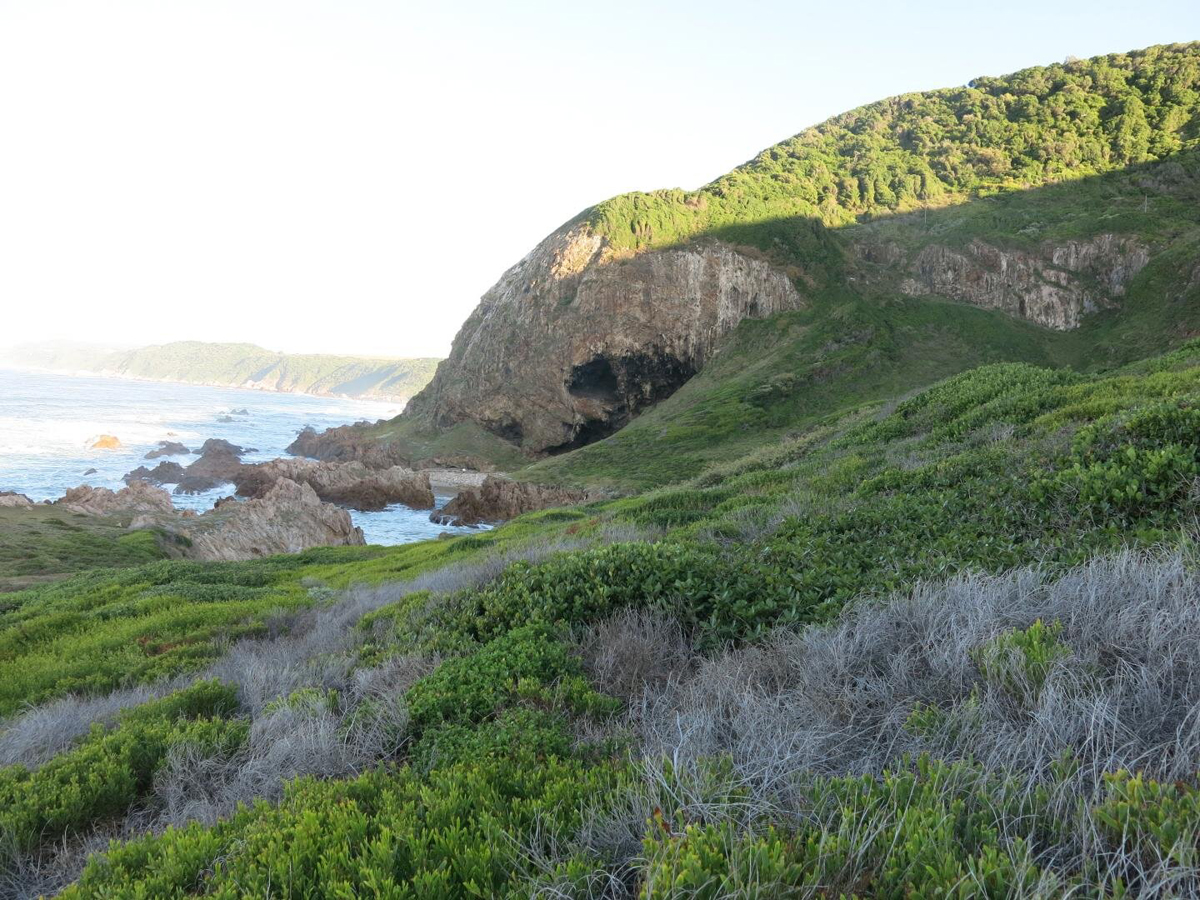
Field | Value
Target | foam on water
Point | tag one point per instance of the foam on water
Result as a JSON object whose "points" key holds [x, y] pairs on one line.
{"points": [[48, 423]]}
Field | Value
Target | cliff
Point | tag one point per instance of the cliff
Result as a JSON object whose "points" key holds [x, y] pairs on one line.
{"points": [[576, 339], [1050, 216]]}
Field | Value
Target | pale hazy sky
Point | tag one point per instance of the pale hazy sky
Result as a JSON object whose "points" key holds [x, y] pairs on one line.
{"points": [[350, 175]]}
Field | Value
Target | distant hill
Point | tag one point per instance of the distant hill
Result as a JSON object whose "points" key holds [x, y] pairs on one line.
{"points": [[235, 365]]}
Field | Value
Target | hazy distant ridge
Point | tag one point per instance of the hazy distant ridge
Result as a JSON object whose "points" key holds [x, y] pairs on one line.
{"points": [[237, 365]]}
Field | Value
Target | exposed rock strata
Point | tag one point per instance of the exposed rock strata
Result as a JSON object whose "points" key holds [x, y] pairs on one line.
{"points": [[287, 519], [1055, 285], [347, 443], [498, 499], [347, 484], [573, 341], [99, 501]]}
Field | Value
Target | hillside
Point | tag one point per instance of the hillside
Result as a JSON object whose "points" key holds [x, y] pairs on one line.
{"points": [[240, 365], [943, 639], [897, 593], [1063, 196]]}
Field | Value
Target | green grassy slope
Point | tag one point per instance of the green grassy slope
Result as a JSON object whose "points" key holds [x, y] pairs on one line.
{"points": [[503, 739], [862, 339], [43, 544], [1037, 126]]}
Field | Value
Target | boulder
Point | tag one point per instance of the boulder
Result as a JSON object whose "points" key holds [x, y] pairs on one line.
{"points": [[498, 499], [218, 464], [89, 472], [289, 518], [218, 445], [168, 448], [163, 473], [13, 499], [106, 442]]}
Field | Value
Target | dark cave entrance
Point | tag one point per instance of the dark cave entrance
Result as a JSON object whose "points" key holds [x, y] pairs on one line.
{"points": [[624, 386], [596, 380]]}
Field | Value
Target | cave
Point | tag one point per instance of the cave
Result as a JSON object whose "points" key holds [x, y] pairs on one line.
{"points": [[508, 429], [624, 386], [595, 380]]}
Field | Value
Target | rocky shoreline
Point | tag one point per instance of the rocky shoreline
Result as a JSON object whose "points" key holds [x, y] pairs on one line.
{"points": [[289, 504]]}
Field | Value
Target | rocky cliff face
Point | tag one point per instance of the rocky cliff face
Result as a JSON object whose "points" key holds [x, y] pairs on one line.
{"points": [[575, 340], [1055, 285]]}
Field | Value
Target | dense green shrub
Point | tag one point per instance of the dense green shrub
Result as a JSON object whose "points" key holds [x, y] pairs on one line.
{"points": [[458, 832], [1036, 126], [111, 768]]}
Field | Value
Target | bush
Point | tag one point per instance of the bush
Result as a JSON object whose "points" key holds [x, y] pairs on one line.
{"points": [[111, 769]]}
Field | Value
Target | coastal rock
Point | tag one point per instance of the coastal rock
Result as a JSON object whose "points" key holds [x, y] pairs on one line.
{"points": [[349, 484], [498, 499], [167, 448], [106, 442], [1054, 286], [289, 518], [89, 472], [575, 340], [99, 501], [12, 499], [164, 473], [346, 443], [219, 445], [218, 464]]}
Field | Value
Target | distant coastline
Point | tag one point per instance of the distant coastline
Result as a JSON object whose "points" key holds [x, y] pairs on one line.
{"points": [[241, 366]]}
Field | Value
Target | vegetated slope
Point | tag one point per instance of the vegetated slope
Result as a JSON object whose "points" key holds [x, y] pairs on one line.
{"points": [[43, 543], [779, 677], [250, 366], [1061, 195]]}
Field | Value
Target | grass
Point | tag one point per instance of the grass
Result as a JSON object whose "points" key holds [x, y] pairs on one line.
{"points": [[901, 601], [44, 543], [570, 681]]}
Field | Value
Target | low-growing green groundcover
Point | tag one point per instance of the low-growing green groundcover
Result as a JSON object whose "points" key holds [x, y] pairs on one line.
{"points": [[505, 747]]}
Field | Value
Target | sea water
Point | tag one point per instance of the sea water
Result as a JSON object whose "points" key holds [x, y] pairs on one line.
{"points": [[48, 423]]}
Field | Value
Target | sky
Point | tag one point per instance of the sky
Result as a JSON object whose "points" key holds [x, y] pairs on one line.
{"points": [[349, 176]]}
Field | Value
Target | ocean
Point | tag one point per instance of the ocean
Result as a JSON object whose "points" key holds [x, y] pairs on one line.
{"points": [[48, 423]]}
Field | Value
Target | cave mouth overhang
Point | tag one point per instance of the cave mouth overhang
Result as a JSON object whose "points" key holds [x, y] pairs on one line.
{"points": [[610, 389]]}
